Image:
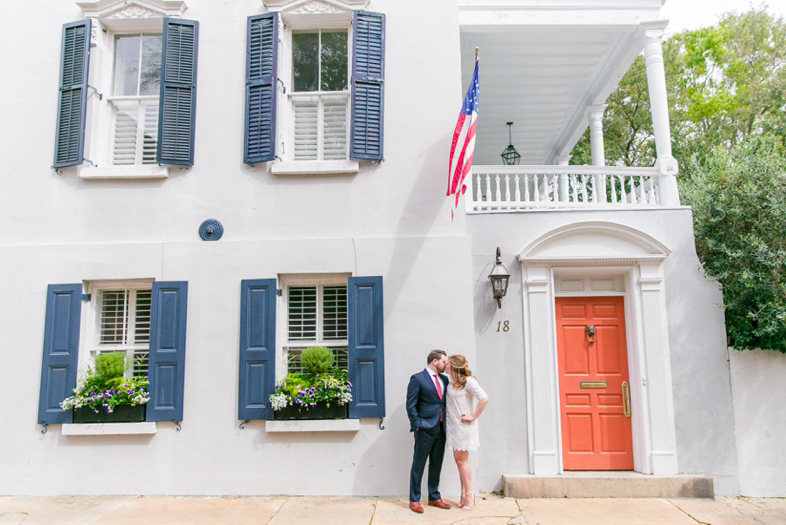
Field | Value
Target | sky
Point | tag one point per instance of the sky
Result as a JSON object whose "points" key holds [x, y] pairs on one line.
{"points": [[693, 14]]}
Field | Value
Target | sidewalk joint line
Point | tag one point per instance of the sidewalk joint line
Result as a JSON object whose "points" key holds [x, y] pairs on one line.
{"points": [[277, 511]]}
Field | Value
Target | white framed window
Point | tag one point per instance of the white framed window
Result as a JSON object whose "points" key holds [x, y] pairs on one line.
{"points": [[320, 94], [119, 321], [125, 68], [316, 315], [134, 100]]}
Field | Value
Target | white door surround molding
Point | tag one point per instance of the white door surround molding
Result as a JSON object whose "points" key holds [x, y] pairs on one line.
{"points": [[593, 252]]}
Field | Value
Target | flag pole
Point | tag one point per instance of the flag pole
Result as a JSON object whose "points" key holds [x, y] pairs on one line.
{"points": [[476, 54]]}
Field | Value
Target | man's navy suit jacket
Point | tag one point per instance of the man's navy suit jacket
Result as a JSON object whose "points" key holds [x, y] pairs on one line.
{"points": [[424, 406]]}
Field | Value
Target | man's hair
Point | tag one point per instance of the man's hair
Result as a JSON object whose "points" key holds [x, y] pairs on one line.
{"points": [[435, 354]]}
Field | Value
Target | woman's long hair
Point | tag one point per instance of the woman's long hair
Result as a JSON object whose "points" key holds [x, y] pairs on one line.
{"points": [[459, 371]]}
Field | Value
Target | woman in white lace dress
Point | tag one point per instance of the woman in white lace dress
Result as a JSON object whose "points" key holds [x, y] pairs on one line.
{"points": [[465, 402]]}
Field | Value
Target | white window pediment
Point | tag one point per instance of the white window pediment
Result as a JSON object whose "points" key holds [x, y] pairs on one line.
{"points": [[310, 13], [132, 15]]}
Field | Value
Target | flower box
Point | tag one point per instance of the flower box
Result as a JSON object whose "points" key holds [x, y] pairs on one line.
{"points": [[121, 414], [321, 411]]}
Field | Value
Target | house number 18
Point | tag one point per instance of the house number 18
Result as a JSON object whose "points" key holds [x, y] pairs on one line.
{"points": [[503, 326]]}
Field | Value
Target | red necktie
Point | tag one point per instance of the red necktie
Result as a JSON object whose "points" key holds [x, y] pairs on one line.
{"points": [[439, 392]]}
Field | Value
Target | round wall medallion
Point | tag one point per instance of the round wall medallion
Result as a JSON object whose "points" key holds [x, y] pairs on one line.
{"points": [[211, 230]]}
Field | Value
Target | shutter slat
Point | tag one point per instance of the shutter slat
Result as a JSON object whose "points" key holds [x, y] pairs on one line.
{"points": [[167, 355], [61, 345], [177, 105], [72, 102], [261, 71], [256, 377], [368, 81], [366, 347]]}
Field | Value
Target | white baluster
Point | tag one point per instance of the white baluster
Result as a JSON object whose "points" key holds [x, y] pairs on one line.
{"points": [[526, 188], [518, 190], [632, 191], [479, 193], [584, 197], [498, 193], [536, 185], [507, 187], [563, 187], [488, 190]]}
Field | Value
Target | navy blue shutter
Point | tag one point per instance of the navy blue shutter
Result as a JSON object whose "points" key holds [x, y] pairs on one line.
{"points": [[366, 347], [72, 104], [177, 104], [166, 364], [368, 86], [257, 372], [261, 73], [61, 346]]}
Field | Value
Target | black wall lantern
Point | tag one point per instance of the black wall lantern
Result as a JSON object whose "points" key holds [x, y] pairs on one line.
{"points": [[510, 156], [499, 278]]}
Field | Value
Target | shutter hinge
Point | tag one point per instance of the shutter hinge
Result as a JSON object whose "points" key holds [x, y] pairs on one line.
{"points": [[100, 96], [279, 292], [86, 297], [283, 87]]}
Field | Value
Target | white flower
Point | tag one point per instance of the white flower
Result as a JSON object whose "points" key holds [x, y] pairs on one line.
{"points": [[278, 401]]}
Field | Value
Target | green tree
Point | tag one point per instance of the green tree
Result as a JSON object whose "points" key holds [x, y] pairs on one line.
{"points": [[738, 197], [725, 83]]}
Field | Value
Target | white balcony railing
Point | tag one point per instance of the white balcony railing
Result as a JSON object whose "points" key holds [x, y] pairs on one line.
{"points": [[494, 189]]}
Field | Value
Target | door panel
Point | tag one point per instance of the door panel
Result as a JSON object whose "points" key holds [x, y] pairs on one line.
{"points": [[596, 434]]}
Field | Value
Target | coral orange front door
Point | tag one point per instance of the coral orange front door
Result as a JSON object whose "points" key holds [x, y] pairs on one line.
{"points": [[593, 384]]}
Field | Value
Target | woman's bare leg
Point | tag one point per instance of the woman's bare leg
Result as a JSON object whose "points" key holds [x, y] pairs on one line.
{"points": [[465, 473]]}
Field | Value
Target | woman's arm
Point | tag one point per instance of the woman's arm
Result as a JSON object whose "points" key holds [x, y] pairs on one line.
{"points": [[469, 418]]}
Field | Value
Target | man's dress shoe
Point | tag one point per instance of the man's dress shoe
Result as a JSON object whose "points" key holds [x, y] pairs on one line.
{"points": [[414, 506], [438, 503]]}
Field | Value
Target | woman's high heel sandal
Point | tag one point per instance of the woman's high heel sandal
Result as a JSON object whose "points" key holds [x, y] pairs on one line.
{"points": [[468, 501]]}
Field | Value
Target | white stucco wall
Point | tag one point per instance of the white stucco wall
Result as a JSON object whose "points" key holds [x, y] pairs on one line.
{"points": [[390, 219], [759, 388], [703, 418]]}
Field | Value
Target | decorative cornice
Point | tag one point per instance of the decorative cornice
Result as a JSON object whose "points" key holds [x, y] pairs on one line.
{"points": [[133, 12], [645, 260], [284, 4], [314, 7]]}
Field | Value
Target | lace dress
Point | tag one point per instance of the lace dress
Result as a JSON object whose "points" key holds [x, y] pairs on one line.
{"points": [[463, 436]]}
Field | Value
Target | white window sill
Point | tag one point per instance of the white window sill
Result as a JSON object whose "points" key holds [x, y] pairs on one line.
{"points": [[313, 425], [138, 171], [108, 429], [315, 167]]}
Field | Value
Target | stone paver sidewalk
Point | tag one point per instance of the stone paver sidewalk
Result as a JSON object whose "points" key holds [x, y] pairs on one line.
{"points": [[285, 510]]}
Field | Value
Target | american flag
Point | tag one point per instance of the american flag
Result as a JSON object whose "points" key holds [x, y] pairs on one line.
{"points": [[463, 147]]}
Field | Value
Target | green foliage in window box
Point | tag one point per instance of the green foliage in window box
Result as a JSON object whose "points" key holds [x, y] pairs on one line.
{"points": [[320, 385], [105, 388], [317, 360]]}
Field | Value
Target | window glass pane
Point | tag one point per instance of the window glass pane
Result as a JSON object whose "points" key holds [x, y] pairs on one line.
{"points": [[126, 65], [305, 61], [302, 313], [150, 78], [113, 317], [334, 314], [334, 61], [142, 321]]}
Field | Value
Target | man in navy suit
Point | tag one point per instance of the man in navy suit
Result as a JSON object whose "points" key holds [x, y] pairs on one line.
{"points": [[426, 411]]}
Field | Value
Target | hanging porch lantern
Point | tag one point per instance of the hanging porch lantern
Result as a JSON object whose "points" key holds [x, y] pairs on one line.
{"points": [[510, 156]]}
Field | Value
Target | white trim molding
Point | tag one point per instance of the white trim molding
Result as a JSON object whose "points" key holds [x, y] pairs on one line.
{"points": [[633, 260]]}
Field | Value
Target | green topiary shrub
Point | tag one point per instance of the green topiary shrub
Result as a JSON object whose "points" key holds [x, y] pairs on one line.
{"points": [[110, 365], [316, 360]]}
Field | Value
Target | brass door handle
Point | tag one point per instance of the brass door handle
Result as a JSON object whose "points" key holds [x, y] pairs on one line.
{"points": [[625, 399]]}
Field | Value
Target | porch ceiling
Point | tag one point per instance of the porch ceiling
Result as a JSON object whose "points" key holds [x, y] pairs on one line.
{"points": [[543, 78]]}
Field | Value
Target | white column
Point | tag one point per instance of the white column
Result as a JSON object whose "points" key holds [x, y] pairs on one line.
{"points": [[563, 160], [540, 357], [595, 116], [663, 456], [659, 106]]}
